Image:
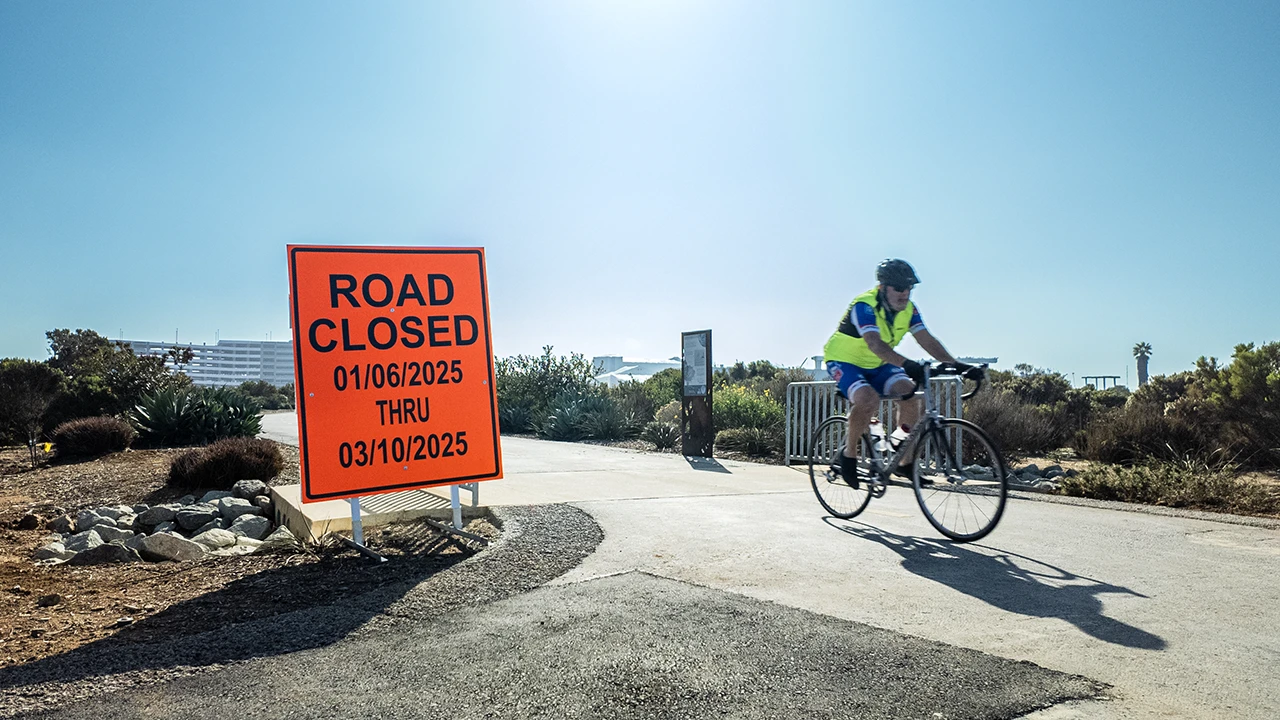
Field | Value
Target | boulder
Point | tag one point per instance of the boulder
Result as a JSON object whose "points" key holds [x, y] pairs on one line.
{"points": [[155, 515], [83, 541], [265, 504], [255, 527], [140, 508], [187, 500], [102, 521], [167, 546], [281, 540], [193, 516], [248, 489], [30, 521], [111, 533], [214, 524], [1031, 469], [234, 550], [1053, 472], [214, 496], [112, 552], [113, 511], [53, 551], [126, 521], [165, 527], [215, 538], [232, 508], [85, 520], [62, 524]]}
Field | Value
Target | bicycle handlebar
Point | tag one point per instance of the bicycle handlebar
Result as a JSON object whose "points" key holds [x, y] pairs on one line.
{"points": [[952, 369]]}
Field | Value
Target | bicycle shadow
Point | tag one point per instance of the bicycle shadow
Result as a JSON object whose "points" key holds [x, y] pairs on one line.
{"points": [[1000, 580]]}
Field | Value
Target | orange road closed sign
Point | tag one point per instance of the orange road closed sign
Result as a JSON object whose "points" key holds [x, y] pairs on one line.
{"points": [[394, 369]]}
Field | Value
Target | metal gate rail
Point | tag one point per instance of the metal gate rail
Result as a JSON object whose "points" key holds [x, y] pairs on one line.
{"points": [[809, 403]]}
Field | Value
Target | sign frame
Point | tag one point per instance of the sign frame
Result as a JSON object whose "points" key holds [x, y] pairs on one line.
{"points": [[697, 431]]}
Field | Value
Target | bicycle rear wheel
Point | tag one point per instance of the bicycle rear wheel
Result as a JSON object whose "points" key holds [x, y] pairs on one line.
{"points": [[843, 498], [959, 479]]}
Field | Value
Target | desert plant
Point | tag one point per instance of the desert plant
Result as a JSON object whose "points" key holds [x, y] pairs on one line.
{"points": [[564, 420], [514, 419], [1182, 483], [604, 419], [756, 442], [664, 435], [194, 416], [222, 464], [92, 436]]}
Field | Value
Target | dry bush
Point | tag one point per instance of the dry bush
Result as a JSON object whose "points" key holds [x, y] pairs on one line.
{"points": [[1183, 483], [1137, 433], [1016, 425], [92, 436], [221, 464]]}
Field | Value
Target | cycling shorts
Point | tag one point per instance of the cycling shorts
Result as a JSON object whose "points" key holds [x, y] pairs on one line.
{"points": [[850, 377]]}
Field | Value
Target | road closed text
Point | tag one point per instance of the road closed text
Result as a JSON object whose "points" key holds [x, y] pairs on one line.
{"points": [[384, 333]]}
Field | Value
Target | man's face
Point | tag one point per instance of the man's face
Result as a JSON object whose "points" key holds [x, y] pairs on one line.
{"points": [[897, 296]]}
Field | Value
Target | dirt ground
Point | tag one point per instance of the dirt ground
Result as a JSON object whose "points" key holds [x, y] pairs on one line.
{"points": [[50, 610]]}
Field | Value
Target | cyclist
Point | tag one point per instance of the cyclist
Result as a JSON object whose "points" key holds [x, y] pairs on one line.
{"points": [[860, 357]]}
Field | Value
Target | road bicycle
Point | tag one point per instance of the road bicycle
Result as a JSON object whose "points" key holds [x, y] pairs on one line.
{"points": [[956, 470]]}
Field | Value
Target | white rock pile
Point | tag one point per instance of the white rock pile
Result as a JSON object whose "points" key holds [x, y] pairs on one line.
{"points": [[217, 524]]}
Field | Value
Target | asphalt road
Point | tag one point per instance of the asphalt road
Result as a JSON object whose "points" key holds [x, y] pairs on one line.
{"points": [[1177, 614]]}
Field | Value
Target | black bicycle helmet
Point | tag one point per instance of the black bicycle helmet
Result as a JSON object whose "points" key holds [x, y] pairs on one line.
{"points": [[897, 273]]}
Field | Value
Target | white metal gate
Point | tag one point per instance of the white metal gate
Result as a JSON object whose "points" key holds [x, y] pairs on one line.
{"points": [[809, 403]]}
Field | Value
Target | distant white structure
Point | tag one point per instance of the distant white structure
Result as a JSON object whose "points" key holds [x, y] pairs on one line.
{"points": [[612, 370], [229, 362]]}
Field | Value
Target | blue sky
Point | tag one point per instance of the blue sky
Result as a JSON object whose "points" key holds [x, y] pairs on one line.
{"points": [[1068, 178]]}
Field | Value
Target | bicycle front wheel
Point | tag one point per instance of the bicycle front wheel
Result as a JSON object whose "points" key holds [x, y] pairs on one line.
{"points": [[842, 497], [959, 480]]}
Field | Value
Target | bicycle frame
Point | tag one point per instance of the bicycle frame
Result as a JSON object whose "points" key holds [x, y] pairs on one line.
{"points": [[882, 465]]}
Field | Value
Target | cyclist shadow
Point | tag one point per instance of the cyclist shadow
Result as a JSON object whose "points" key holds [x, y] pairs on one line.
{"points": [[1000, 580]]}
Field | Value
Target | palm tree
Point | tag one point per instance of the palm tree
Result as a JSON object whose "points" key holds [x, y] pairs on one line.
{"points": [[1142, 351]]}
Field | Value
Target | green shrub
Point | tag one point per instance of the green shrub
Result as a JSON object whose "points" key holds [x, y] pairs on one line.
{"points": [[1162, 391], [222, 464], [27, 390], [669, 413], [564, 421], [536, 382], [774, 386], [514, 419], [663, 435], [1239, 403], [634, 399], [1174, 484], [105, 377], [664, 387], [195, 416], [1031, 385], [92, 436], [1014, 424], [756, 442], [1135, 435], [735, 406], [268, 396]]}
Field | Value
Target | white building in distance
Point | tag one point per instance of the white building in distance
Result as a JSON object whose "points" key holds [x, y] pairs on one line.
{"points": [[229, 362], [613, 370]]}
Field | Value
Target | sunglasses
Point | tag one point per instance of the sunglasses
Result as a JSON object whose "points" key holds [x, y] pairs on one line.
{"points": [[905, 288]]}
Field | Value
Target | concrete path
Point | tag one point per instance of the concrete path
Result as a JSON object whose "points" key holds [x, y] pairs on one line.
{"points": [[1178, 614]]}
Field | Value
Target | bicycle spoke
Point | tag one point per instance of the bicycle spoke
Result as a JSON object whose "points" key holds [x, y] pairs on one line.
{"points": [[965, 500]]}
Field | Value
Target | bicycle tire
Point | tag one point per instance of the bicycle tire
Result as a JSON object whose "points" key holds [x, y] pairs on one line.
{"points": [[959, 480], [837, 496]]}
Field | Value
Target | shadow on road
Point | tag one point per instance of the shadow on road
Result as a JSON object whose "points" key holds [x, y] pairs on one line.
{"points": [[278, 610], [1012, 582], [704, 463]]}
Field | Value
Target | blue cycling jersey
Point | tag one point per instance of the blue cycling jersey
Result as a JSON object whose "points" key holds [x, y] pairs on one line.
{"points": [[863, 317]]}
